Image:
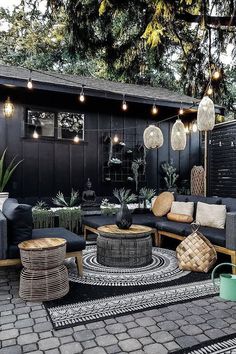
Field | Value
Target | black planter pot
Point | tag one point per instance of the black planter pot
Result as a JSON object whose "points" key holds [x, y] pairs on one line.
{"points": [[124, 217]]}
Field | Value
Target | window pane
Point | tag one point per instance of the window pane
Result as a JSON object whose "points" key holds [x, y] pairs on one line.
{"points": [[70, 125], [42, 122]]}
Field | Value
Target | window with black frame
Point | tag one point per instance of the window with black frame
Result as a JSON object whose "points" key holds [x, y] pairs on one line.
{"points": [[70, 126], [60, 125], [40, 123]]}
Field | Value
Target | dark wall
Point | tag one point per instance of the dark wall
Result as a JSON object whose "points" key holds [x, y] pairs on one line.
{"points": [[222, 160], [50, 165]]}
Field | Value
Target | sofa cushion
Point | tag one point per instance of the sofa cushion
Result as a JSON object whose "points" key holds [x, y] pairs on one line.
{"points": [[181, 198], [162, 203], [208, 200], [163, 224], [185, 208], [215, 236], [180, 217], [74, 242], [230, 204], [211, 215], [19, 221]]}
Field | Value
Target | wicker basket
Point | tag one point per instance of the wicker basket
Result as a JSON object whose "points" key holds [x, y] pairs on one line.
{"points": [[196, 253]]}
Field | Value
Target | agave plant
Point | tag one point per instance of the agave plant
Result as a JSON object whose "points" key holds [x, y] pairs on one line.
{"points": [[5, 174], [41, 205], [60, 201], [124, 195]]}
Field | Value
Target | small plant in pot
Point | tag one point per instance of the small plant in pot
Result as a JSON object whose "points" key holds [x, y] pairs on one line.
{"points": [[124, 217], [5, 175]]}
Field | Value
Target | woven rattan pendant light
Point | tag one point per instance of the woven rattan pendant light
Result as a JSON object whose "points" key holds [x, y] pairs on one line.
{"points": [[178, 136], [206, 114], [153, 137]]}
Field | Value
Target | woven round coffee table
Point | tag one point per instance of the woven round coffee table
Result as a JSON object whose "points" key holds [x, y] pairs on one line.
{"points": [[124, 248], [44, 277]]}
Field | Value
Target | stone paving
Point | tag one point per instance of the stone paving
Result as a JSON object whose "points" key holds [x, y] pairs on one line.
{"points": [[25, 327]]}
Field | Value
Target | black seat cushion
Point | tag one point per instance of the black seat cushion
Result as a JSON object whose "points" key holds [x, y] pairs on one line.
{"points": [[74, 242], [215, 236], [163, 224], [19, 221]]}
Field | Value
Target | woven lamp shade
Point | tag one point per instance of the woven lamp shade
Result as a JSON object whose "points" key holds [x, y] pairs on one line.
{"points": [[178, 136], [206, 114], [153, 137]]}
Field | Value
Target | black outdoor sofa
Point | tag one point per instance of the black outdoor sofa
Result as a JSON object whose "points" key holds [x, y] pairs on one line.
{"points": [[16, 225]]}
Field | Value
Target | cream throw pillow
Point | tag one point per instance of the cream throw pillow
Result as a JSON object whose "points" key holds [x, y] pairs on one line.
{"points": [[185, 208], [211, 215]]}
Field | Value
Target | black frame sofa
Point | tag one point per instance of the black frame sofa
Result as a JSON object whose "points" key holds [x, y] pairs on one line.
{"points": [[16, 225]]}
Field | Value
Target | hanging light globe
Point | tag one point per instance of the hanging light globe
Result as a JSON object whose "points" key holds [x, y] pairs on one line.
{"points": [[206, 114], [8, 108], [153, 137], [178, 136]]}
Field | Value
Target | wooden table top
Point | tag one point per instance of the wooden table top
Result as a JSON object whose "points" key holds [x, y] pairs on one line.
{"points": [[133, 230], [42, 243]]}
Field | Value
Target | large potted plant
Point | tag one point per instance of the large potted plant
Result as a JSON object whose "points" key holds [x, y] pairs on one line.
{"points": [[5, 175]]}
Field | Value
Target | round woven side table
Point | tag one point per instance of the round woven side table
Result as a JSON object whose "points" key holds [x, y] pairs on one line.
{"points": [[130, 248], [44, 277]]}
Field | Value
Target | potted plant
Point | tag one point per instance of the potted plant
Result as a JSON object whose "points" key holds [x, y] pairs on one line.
{"points": [[5, 175], [146, 194], [170, 175], [123, 217]]}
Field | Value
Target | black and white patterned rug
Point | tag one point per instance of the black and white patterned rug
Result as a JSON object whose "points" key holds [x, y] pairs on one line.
{"points": [[163, 268], [105, 292]]}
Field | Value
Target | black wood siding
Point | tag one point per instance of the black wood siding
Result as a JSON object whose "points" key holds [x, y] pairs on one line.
{"points": [[222, 160], [50, 166]]}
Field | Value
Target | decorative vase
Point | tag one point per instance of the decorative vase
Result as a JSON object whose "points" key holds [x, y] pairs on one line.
{"points": [[3, 197], [124, 217]]}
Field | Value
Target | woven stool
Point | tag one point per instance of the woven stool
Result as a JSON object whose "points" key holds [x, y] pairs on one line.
{"points": [[44, 277]]}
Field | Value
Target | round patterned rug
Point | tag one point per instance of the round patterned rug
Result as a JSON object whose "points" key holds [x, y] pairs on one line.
{"points": [[164, 267]]}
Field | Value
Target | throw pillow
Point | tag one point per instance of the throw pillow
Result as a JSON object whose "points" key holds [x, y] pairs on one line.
{"points": [[162, 204], [211, 215], [180, 217], [185, 208], [19, 221]]}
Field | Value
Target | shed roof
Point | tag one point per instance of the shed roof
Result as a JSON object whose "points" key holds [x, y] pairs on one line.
{"points": [[53, 81]]}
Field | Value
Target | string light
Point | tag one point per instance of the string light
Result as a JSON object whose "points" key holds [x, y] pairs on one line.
{"points": [[209, 89], [35, 134], [29, 83], [116, 139], [8, 108], [76, 139], [81, 96], [124, 104], [154, 109], [181, 111], [194, 127], [216, 75]]}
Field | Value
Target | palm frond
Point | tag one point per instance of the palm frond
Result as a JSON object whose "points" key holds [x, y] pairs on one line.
{"points": [[124, 195]]}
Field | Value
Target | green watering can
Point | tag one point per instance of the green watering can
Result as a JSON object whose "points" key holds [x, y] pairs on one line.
{"points": [[227, 283]]}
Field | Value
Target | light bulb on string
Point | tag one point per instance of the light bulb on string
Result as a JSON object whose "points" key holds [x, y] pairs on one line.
{"points": [[76, 139], [116, 139], [216, 75], [81, 95], [30, 83], [8, 108], [187, 129], [210, 90], [124, 104], [181, 111], [194, 127], [35, 134], [154, 109]]}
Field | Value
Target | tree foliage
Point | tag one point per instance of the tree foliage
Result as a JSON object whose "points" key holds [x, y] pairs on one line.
{"points": [[153, 42]]}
